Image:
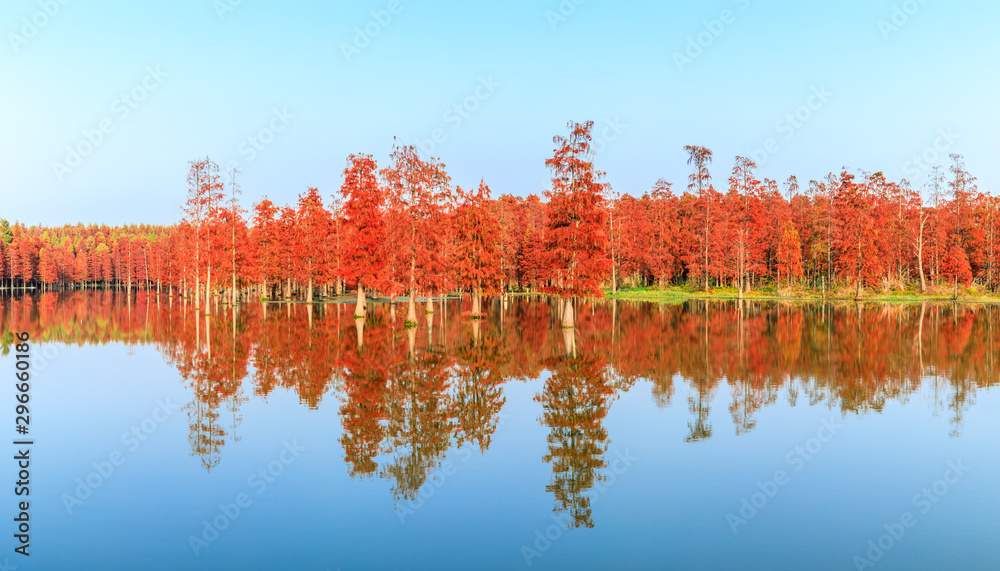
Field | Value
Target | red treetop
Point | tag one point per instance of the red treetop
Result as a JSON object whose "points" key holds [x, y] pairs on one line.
{"points": [[364, 207], [955, 265], [477, 259], [314, 225]]}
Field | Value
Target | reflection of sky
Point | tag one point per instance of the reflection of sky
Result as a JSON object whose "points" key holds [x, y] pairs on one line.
{"points": [[608, 60], [666, 511]]}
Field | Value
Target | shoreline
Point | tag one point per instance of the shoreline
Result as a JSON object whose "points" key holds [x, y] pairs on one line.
{"points": [[680, 296]]}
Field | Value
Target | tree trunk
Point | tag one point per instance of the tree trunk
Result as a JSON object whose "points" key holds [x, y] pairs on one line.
{"points": [[567, 319], [920, 255], [208, 291], [569, 339], [411, 342], [704, 267], [411, 309], [359, 325], [360, 310]]}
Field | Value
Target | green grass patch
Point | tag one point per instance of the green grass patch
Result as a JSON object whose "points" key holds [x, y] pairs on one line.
{"points": [[676, 294]]}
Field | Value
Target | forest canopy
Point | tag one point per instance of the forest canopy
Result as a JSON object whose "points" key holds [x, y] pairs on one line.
{"points": [[403, 229]]}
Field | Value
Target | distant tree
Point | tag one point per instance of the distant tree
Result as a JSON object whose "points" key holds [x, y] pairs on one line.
{"points": [[291, 246], [531, 262], [47, 268], [955, 267], [477, 256], [506, 210], [199, 211], [858, 253], [314, 227], [80, 268], [745, 220], [789, 253], [661, 213], [235, 216], [265, 237], [700, 182]]}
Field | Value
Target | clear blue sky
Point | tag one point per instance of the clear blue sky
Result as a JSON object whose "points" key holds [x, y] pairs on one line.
{"points": [[889, 92]]}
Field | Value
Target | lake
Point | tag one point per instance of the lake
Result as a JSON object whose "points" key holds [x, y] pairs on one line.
{"points": [[696, 435]]}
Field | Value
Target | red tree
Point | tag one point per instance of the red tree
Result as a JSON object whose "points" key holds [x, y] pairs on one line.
{"points": [[314, 226], [955, 267], [703, 257], [857, 252], [417, 192], [265, 238], [477, 256], [662, 249], [364, 259], [745, 221], [789, 253], [575, 233]]}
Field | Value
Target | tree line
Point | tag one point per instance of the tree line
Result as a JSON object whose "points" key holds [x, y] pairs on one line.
{"points": [[404, 230]]}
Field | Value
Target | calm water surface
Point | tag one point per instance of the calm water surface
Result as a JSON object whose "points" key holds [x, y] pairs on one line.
{"points": [[693, 436]]}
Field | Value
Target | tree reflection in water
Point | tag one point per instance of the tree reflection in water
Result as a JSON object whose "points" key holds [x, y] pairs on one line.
{"points": [[408, 396]]}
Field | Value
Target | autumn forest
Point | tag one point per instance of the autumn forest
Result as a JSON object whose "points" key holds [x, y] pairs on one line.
{"points": [[404, 231]]}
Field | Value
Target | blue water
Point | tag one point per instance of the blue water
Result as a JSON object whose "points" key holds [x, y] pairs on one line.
{"points": [[666, 503]]}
